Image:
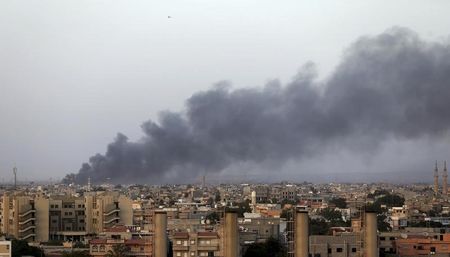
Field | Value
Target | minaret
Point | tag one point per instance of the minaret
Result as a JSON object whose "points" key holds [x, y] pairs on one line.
{"points": [[89, 184], [444, 179], [436, 179]]}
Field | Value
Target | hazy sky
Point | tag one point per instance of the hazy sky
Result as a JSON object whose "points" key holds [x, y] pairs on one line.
{"points": [[74, 73]]}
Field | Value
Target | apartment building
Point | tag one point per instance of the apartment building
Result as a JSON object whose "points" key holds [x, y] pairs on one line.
{"points": [[106, 210], [62, 217], [18, 216], [263, 227], [424, 245], [5, 248], [135, 247], [343, 245], [196, 244]]}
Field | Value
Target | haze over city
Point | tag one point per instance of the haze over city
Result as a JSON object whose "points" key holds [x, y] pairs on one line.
{"points": [[323, 91]]}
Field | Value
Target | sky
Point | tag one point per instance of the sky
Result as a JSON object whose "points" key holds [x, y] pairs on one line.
{"points": [[75, 73]]}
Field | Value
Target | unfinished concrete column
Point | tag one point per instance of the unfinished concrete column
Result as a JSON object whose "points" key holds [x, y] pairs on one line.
{"points": [[370, 235], [301, 233], [160, 228], [231, 234]]}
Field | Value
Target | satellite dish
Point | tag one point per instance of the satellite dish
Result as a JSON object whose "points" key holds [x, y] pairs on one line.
{"points": [[403, 235]]}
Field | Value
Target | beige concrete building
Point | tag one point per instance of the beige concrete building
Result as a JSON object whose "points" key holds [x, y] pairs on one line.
{"points": [[344, 245], [106, 210], [18, 216], [5, 248], [40, 218], [203, 244]]}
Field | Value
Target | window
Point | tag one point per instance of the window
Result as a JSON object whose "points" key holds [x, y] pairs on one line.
{"points": [[353, 250], [339, 250], [102, 248], [382, 238], [178, 242], [329, 250], [192, 253], [192, 242], [178, 254], [433, 250], [392, 238]]}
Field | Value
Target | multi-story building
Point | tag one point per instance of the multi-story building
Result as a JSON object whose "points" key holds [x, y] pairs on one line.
{"points": [[5, 248], [343, 245], [39, 218], [438, 245], [263, 227], [134, 247], [18, 216], [196, 244]]}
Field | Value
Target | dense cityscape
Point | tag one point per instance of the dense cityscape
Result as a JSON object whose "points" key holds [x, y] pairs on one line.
{"points": [[228, 220], [224, 128]]}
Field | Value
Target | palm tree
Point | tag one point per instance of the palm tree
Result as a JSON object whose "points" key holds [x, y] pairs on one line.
{"points": [[118, 250]]}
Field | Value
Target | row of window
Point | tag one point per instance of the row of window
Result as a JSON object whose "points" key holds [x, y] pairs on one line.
{"points": [[66, 206], [340, 250], [203, 254], [201, 242]]}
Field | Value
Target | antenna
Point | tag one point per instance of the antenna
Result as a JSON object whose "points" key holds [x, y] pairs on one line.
{"points": [[15, 177]]}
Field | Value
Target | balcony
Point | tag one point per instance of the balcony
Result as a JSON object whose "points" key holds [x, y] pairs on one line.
{"points": [[27, 220], [111, 212], [111, 220], [27, 228], [180, 247], [28, 236], [27, 212], [211, 247]]}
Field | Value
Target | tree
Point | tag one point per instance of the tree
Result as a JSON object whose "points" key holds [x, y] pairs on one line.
{"points": [[339, 202], [382, 225], [243, 207], [213, 217], [318, 227], [217, 197], [119, 250], [270, 248], [21, 248], [76, 254], [331, 215]]}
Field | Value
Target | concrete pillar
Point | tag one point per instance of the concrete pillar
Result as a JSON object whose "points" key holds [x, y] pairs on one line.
{"points": [[160, 246], [370, 235], [231, 235], [301, 233]]}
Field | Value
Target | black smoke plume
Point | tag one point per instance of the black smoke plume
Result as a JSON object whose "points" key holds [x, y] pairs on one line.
{"points": [[391, 86]]}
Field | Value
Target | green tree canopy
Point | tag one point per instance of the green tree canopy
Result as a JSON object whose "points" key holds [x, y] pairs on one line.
{"points": [[21, 248], [339, 202], [271, 248], [119, 250]]}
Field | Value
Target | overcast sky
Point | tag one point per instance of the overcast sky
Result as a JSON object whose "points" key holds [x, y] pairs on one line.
{"points": [[74, 73]]}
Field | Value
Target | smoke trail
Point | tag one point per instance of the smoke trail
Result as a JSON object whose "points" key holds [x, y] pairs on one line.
{"points": [[392, 86]]}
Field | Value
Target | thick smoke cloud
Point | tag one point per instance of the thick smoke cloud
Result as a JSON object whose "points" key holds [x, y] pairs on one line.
{"points": [[392, 86]]}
